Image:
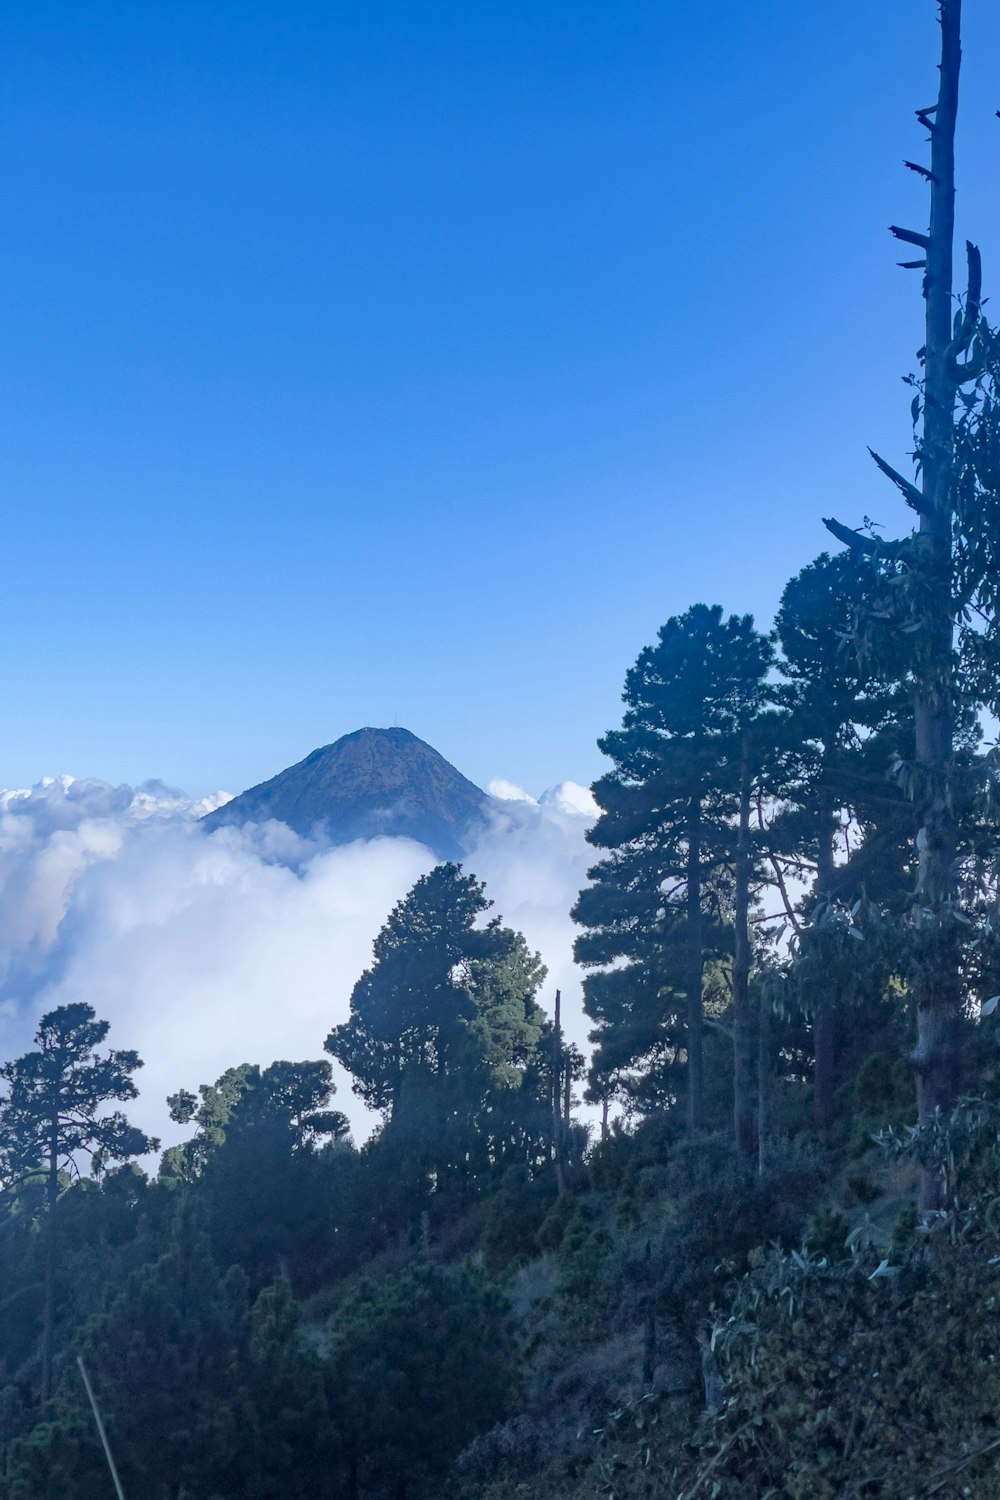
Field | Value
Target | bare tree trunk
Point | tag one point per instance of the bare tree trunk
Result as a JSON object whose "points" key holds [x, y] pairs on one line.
{"points": [[763, 1078], [695, 968], [744, 1123], [824, 1017], [48, 1306], [557, 1124], [936, 976], [649, 1328], [937, 986]]}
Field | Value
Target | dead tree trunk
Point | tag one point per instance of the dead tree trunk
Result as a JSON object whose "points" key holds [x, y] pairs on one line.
{"points": [[937, 986], [928, 562]]}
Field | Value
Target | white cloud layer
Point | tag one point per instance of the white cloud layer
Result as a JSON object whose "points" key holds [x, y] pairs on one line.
{"points": [[243, 945]]}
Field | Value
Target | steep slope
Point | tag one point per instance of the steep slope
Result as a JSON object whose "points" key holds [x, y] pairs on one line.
{"points": [[369, 783]]}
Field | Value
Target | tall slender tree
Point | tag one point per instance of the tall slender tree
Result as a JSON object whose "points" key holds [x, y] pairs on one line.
{"points": [[932, 581], [846, 722], [55, 1112], [667, 812], [763, 732]]}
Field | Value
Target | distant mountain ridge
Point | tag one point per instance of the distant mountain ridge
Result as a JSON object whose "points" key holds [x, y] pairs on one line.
{"points": [[366, 784]]}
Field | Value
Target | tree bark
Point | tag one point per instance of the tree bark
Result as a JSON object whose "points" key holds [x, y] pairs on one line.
{"points": [[649, 1329], [824, 1017], [48, 1306], [695, 968], [937, 985], [557, 1124], [763, 1079], [744, 1123]]}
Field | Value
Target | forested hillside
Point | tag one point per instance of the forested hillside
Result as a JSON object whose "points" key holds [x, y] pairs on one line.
{"points": [[750, 1246]]}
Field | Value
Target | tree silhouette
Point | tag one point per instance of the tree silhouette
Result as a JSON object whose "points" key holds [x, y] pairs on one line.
{"points": [[444, 1028], [939, 585], [54, 1113], [667, 811]]}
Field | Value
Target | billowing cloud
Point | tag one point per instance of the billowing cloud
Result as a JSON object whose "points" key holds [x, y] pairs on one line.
{"points": [[207, 950], [508, 791]]}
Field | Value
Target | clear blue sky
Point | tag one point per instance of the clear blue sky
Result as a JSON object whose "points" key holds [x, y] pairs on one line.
{"points": [[375, 361]]}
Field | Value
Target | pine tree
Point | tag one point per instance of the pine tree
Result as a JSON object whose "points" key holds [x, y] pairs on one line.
{"points": [[255, 1166], [668, 809], [444, 1027], [763, 740], [53, 1114], [847, 725]]}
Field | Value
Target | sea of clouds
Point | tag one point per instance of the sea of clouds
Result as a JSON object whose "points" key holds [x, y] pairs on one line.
{"points": [[205, 950]]}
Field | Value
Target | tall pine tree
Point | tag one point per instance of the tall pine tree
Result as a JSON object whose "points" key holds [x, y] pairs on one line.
{"points": [[55, 1112], [668, 810]]}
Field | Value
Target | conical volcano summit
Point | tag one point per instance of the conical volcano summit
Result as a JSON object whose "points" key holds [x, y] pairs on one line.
{"points": [[374, 782]]}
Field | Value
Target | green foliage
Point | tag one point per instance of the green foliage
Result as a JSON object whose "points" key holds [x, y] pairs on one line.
{"points": [[850, 1375], [202, 1394], [287, 1100], [54, 1113], [515, 1218], [583, 1249], [254, 1166], [847, 722], [552, 1230], [923, 1354], [881, 1099], [904, 1234], [708, 1217], [422, 1363], [666, 822], [827, 1236], [444, 1034], [54, 1109], [616, 1161]]}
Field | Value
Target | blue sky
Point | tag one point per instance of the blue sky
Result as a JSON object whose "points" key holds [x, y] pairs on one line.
{"points": [[412, 362]]}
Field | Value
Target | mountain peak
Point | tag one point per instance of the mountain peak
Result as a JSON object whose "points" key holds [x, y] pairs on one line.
{"points": [[368, 783]]}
